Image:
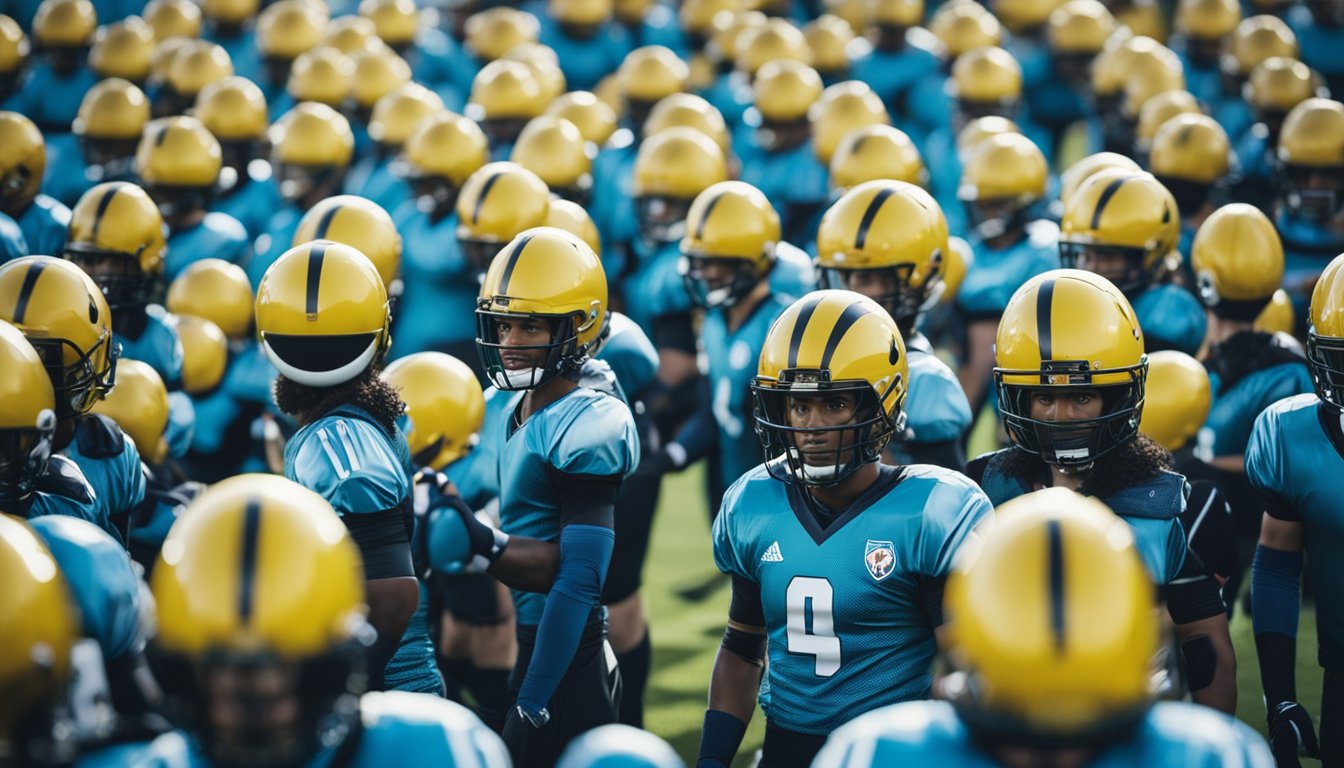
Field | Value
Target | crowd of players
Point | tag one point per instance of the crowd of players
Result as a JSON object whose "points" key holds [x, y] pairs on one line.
{"points": [[344, 348]]}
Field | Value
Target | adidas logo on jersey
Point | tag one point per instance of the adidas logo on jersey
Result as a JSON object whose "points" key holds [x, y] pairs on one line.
{"points": [[772, 555]]}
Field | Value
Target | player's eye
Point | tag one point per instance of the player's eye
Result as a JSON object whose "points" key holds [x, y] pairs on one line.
{"points": [[1083, 398]]}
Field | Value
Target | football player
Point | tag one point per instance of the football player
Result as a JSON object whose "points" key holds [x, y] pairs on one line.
{"points": [[1295, 457], [234, 111], [111, 117], [1310, 183], [42, 219], [1040, 683], [827, 530]]}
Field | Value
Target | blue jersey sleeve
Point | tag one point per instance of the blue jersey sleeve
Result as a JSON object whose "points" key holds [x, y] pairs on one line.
{"points": [[1171, 318], [630, 354], [349, 464], [937, 405], [1229, 420], [601, 442], [1267, 456], [952, 514], [727, 538], [181, 424]]}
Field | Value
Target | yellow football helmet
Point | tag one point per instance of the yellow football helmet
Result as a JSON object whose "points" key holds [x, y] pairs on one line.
{"points": [[1158, 110], [595, 120], [732, 225], [123, 49], [233, 109], [776, 39], [27, 417], [322, 314], [495, 31], [288, 28], [351, 35], [41, 628], [214, 290], [1278, 84], [1002, 180], [1310, 164], [65, 317], [1080, 27], [727, 33], [830, 344], [631, 12], [160, 59], [506, 90], [887, 240], [23, 160], [359, 223], [1278, 316], [324, 75], [1149, 72], [230, 13], [544, 64], [553, 148], [117, 235], [1325, 335], [963, 27], [178, 152], [672, 167], [443, 151], [14, 47], [139, 405], [1024, 17], [1063, 331], [784, 90], [66, 23], [173, 18], [876, 152], [695, 16], [1237, 258], [312, 134], [842, 109], [830, 39], [205, 354], [1052, 622], [1190, 149], [498, 203], [544, 273], [1178, 401], [1072, 178], [1207, 19], [195, 65], [574, 219], [112, 110], [979, 129], [1122, 224], [649, 74], [398, 112], [579, 13], [1256, 39], [686, 110], [260, 596], [889, 13], [444, 403], [395, 20]]}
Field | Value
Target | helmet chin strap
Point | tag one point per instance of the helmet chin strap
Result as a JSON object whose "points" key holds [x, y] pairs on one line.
{"points": [[525, 378]]}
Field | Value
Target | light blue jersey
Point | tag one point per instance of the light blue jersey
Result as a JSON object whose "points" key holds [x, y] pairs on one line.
{"points": [[630, 354], [1296, 459], [586, 61], [111, 464], [1308, 246], [585, 432], [158, 346], [936, 407], [794, 274], [1322, 46], [439, 288], [1172, 735], [892, 74], [398, 728], [45, 223], [732, 358], [12, 244], [440, 63], [1171, 318], [476, 475], [52, 101], [218, 236], [613, 203], [1152, 508], [254, 201], [242, 50], [794, 180], [373, 178], [1227, 430], [273, 242], [996, 274], [63, 490], [848, 628], [654, 288]]}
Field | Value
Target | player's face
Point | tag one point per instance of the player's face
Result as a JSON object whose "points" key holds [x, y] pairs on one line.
{"points": [[876, 284], [715, 273], [821, 412], [1019, 757], [1073, 405], [252, 708], [518, 333]]}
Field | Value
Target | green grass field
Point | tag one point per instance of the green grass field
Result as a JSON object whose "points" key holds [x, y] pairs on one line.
{"points": [[686, 633]]}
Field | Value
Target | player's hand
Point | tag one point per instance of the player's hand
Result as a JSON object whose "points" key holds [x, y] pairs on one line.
{"points": [[1291, 734], [671, 458], [457, 537], [521, 722]]}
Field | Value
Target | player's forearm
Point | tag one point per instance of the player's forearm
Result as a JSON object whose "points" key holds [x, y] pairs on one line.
{"points": [[528, 565], [1275, 596], [732, 700], [1210, 662]]}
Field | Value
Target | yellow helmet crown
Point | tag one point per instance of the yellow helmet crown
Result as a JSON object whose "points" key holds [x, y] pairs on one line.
{"points": [[205, 354], [231, 12], [1278, 84], [233, 109], [679, 163], [1080, 26], [195, 65], [215, 290], [64, 23], [323, 74], [139, 405], [583, 13], [1255, 40], [1191, 147], [776, 39], [119, 218], [1053, 622], [351, 35], [288, 28], [1158, 110], [398, 112], [687, 110], [495, 31], [23, 160], [1149, 72], [1006, 165], [447, 145], [376, 74], [498, 203], [505, 89], [178, 152], [444, 403], [123, 49], [650, 73], [979, 129], [574, 219], [1313, 135], [831, 41], [892, 13], [312, 134], [784, 90], [395, 20], [554, 149], [114, 109], [1207, 19], [842, 109], [1126, 211], [1238, 261], [322, 314], [1084, 169], [876, 152], [544, 64], [963, 27], [729, 220], [1178, 401], [594, 119], [359, 223], [173, 18], [1325, 335]]}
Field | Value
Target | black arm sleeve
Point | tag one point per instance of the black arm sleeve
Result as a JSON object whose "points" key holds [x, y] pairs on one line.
{"points": [[745, 607], [675, 331], [586, 499], [930, 595]]}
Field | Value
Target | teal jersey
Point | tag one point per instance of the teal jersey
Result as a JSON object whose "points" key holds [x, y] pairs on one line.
{"points": [[732, 357], [413, 667], [998, 272], [1172, 735], [157, 346], [476, 475], [63, 490], [1171, 318], [585, 432], [218, 236], [1296, 458], [846, 606], [437, 283], [1152, 509], [630, 354], [44, 223], [793, 274], [654, 289], [936, 407], [111, 464], [253, 199], [1227, 430], [397, 728]]}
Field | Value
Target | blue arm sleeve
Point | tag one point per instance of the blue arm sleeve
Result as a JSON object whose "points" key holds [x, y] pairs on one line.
{"points": [[698, 434], [1276, 580], [585, 553]]}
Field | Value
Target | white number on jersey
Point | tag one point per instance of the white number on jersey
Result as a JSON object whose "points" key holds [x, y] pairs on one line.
{"points": [[807, 592], [347, 447]]}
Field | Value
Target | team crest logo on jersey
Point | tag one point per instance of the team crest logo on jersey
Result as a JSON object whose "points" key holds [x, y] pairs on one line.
{"points": [[880, 557]]}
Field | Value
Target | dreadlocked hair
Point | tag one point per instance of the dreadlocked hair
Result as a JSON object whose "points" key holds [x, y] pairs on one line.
{"points": [[1134, 461], [367, 391]]}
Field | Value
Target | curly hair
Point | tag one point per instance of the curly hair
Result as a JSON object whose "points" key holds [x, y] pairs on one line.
{"points": [[1135, 460], [367, 391]]}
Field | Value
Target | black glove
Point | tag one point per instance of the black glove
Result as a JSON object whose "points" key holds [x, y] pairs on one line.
{"points": [[670, 458], [520, 727], [1291, 734]]}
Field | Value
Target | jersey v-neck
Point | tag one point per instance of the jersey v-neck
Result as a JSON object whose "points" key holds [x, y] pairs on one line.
{"points": [[1332, 422], [803, 507], [515, 426]]}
